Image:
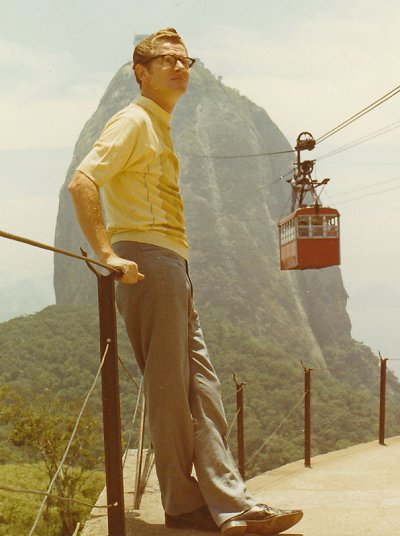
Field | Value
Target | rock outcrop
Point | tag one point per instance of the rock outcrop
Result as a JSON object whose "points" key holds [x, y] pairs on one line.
{"points": [[232, 206]]}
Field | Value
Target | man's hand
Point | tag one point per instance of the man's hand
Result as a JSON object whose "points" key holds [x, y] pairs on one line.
{"points": [[128, 269]]}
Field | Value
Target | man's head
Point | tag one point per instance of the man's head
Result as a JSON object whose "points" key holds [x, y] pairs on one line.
{"points": [[145, 49], [161, 65]]}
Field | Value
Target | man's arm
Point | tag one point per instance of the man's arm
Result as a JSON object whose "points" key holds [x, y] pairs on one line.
{"points": [[86, 199]]}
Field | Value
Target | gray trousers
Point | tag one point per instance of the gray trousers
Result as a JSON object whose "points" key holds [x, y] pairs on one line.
{"points": [[185, 413]]}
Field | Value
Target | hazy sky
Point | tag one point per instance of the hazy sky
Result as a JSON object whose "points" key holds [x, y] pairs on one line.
{"points": [[310, 64]]}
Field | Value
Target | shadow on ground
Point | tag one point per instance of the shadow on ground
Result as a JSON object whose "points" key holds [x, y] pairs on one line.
{"points": [[135, 525]]}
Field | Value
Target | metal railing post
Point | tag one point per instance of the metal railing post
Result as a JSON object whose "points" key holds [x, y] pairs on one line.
{"points": [[240, 426], [111, 406], [307, 416], [382, 401], [139, 458]]}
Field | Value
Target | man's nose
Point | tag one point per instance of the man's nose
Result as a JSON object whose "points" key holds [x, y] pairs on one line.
{"points": [[179, 65]]}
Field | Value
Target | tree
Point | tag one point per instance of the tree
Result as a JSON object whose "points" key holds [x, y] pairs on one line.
{"points": [[43, 425]]}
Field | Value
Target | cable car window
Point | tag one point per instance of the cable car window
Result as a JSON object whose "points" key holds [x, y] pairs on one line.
{"points": [[316, 220], [316, 226], [331, 226], [287, 232], [303, 226]]}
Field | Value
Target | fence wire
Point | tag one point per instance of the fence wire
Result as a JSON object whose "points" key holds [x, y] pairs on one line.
{"points": [[11, 489], [35, 523], [277, 428], [133, 423], [233, 422]]}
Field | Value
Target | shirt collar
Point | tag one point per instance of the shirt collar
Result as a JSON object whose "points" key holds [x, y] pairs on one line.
{"points": [[153, 108]]}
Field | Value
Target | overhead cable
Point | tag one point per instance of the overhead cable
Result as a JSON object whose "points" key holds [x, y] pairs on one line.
{"points": [[231, 156], [240, 200], [369, 195], [359, 114], [363, 139], [374, 185]]}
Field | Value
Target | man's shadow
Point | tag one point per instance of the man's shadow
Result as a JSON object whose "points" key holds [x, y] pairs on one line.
{"points": [[135, 525]]}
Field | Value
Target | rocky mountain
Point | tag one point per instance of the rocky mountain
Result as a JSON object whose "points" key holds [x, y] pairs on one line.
{"points": [[232, 206]]}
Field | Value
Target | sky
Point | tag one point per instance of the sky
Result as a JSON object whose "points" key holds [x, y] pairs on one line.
{"points": [[310, 65]]}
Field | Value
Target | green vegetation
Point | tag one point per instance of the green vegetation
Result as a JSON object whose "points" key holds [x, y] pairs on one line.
{"points": [[345, 396], [42, 427], [18, 510], [51, 358]]}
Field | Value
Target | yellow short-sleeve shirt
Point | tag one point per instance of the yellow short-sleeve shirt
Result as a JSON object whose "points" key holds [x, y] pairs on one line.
{"points": [[134, 163]]}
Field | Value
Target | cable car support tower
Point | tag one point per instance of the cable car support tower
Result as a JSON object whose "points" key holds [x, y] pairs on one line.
{"points": [[309, 235], [302, 183]]}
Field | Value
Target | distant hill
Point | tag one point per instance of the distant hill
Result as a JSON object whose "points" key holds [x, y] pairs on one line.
{"points": [[26, 296], [375, 318], [56, 351]]}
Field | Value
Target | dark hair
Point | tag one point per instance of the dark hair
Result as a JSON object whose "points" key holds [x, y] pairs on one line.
{"points": [[146, 47]]}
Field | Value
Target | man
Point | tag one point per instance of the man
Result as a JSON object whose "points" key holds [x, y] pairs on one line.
{"points": [[134, 162]]}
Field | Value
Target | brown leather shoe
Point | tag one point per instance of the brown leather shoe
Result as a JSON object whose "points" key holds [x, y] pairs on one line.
{"points": [[200, 519], [261, 519]]}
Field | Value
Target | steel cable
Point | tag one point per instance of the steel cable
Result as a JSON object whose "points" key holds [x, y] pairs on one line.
{"points": [[358, 115], [129, 374], [40, 245], [51, 496], [226, 157], [276, 429], [133, 423], [363, 139], [233, 422], [70, 441]]}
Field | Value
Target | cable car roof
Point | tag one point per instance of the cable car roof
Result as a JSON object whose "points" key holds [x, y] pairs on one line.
{"points": [[310, 211]]}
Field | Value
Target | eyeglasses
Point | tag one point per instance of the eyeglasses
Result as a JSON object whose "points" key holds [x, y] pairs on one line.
{"points": [[170, 60]]}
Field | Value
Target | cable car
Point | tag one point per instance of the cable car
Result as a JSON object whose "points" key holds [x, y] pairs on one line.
{"points": [[309, 237]]}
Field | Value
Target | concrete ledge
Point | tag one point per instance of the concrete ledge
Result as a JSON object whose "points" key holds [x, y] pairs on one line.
{"points": [[350, 492]]}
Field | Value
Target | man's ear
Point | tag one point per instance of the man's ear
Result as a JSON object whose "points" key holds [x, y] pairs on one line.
{"points": [[140, 71]]}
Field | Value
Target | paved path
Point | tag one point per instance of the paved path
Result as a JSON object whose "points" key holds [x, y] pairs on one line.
{"points": [[351, 492]]}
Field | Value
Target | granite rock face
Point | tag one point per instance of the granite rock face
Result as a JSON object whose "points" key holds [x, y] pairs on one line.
{"points": [[232, 206]]}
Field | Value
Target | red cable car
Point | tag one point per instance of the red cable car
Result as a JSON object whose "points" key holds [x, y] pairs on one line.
{"points": [[309, 237]]}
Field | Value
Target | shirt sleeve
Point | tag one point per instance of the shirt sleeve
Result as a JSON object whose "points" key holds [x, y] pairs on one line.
{"points": [[112, 151]]}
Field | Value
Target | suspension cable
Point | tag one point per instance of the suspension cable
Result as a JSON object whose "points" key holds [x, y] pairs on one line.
{"points": [[369, 195], [368, 186], [359, 114], [363, 139], [231, 156]]}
